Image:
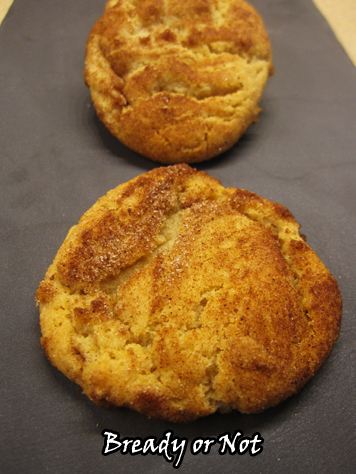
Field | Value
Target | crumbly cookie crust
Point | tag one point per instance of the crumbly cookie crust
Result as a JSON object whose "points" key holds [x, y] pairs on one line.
{"points": [[177, 297], [178, 81]]}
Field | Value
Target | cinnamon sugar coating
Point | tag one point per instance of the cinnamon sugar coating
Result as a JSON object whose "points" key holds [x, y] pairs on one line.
{"points": [[178, 81], [177, 297]]}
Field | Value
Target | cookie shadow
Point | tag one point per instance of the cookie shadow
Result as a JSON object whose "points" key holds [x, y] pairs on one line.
{"points": [[109, 142]]}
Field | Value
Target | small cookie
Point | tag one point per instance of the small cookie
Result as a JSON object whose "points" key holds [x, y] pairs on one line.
{"points": [[178, 81], [177, 297]]}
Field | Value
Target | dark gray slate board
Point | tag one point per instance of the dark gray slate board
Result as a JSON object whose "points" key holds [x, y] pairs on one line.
{"points": [[57, 159]]}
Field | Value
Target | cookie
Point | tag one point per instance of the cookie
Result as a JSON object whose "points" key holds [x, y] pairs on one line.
{"points": [[178, 82], [177, 297]]}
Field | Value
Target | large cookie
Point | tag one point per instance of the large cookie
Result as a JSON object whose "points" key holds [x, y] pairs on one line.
{"points": [[177, 297], [178, 81]]}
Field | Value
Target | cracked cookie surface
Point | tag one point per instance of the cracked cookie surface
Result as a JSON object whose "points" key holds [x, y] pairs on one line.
{"points": [[178, 297], [178, 81]]}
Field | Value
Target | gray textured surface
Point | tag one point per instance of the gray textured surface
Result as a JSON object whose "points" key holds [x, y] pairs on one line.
{"points": [[57, 159]]}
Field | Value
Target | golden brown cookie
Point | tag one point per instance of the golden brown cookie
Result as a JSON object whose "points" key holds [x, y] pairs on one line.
{"points": [[177, 297], [178, 81]]}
